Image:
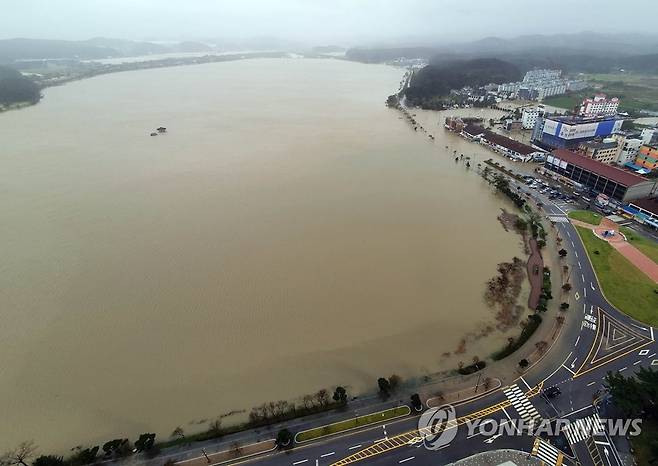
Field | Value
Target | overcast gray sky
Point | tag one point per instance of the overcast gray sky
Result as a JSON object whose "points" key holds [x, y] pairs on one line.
{"points": [[344, 22]]}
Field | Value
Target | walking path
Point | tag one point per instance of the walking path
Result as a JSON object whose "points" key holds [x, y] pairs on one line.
{"points": [[535, 268], [618, 241]]}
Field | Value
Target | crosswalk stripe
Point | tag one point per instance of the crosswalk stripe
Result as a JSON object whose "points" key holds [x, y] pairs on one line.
{"points": [[547, 453], [521, 403], [558, 219], [582, 429]]}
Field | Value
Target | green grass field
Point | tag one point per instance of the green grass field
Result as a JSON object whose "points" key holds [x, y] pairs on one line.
{"points": [[646, 245], [624, 285], [636, 91], [586, 216], [360, 421]]}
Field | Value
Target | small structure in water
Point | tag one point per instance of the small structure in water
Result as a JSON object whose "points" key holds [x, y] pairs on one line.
{"points": [[162, 129], [154, 134]]}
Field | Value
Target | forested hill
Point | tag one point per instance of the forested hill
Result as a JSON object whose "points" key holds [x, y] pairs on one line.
{"points": [[435, 81], [16, 88]]}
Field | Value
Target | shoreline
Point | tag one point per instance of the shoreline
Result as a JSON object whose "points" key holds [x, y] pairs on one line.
{"points": [[104, 69]]}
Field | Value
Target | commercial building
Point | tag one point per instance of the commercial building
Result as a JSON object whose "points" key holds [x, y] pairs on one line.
{"points": [[603, 151], [647, 157], [510, 148], [599, 177], [568, 132], [627, 148], [599, 105]]}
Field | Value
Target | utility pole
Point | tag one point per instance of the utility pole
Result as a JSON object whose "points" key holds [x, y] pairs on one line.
{"points": [[478, 382], [203, 450]]}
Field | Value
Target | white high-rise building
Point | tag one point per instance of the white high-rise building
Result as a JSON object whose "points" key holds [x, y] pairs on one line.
{"points": [[648, 134], [599, 105], [529, 117]]}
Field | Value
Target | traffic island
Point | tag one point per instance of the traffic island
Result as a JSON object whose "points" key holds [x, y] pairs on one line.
{"points": [[351, 424]]}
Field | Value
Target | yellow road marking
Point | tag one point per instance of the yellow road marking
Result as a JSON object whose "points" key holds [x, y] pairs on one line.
{"points": [[418, 434], [595, 363]]}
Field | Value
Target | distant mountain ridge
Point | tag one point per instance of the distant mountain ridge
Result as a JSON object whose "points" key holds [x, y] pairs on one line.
{"points": [[96, 48], [581, 52]]}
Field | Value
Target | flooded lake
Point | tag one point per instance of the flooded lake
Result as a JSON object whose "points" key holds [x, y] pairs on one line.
{"points": [[288, 233]]}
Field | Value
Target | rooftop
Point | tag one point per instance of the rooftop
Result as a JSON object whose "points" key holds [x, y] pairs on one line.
{"points": [[574, 119], [600, 144], [474, 130], [508, 143], [603, 169], [647, 204]]}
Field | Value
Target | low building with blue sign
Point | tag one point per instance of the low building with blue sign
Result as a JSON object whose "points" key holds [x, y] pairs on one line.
{"points": [[568, 132]]}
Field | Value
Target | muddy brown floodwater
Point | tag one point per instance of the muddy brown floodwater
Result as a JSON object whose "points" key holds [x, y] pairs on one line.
{"points": [[289, 233]]}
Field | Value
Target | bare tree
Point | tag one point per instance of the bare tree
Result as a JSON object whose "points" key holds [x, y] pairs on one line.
{"points": [[236, 449], [308, 401], [322, 397], [178, 432], [21, 455]]}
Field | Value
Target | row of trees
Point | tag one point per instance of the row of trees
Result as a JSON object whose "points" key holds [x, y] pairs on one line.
{"points": [[387, 386], [25, 453]]}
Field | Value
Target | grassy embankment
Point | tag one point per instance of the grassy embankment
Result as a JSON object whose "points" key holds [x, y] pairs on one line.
{"points": [[586, 216], [360, 421], [625, 286], [647, 246], [636, 91]]}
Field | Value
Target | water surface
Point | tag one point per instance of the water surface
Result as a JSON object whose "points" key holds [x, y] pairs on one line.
{"points": [[289, 233]]}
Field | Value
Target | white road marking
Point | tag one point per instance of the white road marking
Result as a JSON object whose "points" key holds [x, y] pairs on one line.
{"points": [[572, 372], [573, 245], [623, 368], [585, 292], [576, 253], [327, 454], [651, 355], [636, 363], [592, 285], [406, 459], [354, 447], [300, 462], [590, 384], [579, 265], [577, 340], [583, 277], [526, 383]]}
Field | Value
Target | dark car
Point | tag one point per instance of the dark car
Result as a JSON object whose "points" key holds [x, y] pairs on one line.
{"points": [[552, 392]]}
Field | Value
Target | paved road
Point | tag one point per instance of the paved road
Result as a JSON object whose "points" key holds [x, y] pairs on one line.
{"points": [[605, 340]]}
